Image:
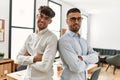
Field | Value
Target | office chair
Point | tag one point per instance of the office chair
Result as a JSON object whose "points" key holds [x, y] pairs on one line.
{"points": [[21, 67], [113, 60], [95, 74]]}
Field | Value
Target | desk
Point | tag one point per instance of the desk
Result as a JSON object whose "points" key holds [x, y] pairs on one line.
{"points": [[57, 70], [16, 75], [6, 66]]}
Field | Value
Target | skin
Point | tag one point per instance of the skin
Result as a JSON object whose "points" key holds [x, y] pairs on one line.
{"points": [[73, 26], [43, 21]]}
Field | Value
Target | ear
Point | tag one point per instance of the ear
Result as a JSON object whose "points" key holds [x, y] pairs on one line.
{"points": [[50, 21], [67, 21]]}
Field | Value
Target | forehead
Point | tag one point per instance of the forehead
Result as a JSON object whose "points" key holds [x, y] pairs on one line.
{"points": [[75, 14]]}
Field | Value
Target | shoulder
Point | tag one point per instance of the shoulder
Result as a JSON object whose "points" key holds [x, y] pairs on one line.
{"points": [[65, 38], [30, 36], [51, 35]]}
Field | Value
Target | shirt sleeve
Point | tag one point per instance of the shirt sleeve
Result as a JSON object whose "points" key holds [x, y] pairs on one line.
{"points": [[91, 57], [24, 60], [70, 57], [48, 56]]}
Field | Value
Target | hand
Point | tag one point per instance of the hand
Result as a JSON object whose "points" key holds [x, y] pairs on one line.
{"points": [[27, 54], [80, 57], [38, 57]]}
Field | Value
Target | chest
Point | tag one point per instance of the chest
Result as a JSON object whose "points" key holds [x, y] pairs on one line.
{"points": [[79, 46], [37, 44]]}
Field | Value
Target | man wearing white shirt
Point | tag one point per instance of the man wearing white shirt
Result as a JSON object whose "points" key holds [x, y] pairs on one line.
{"points": [[40, 48]]}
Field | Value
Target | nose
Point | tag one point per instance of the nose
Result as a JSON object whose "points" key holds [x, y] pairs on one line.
{"points": [[77, 21], [42, 19]]}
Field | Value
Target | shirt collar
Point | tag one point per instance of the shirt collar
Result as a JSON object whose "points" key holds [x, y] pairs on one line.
{"points": [[73, 34], [43, 31]]}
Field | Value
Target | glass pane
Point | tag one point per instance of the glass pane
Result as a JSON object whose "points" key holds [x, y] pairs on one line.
{"points": [[19, 36], [22, 13], [83, 30], [55, 25]]}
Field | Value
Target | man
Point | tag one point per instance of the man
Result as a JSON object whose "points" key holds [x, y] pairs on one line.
{"points": [[40, 48], [75, 53]]}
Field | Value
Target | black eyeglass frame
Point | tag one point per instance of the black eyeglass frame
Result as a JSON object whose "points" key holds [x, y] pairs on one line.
{"points": [[73, 19]]}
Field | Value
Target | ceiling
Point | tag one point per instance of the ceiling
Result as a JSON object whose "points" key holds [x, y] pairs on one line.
{"points": [[95, 6]]}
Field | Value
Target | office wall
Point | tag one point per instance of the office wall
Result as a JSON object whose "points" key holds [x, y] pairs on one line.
{"points": [[105, 29], [4, 14]]}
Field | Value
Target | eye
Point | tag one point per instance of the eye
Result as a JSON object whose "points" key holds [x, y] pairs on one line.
{"points": [[73, 18]]}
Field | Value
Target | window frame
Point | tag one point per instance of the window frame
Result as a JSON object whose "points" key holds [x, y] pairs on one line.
{"points": [[60, 24], [20, 27]]}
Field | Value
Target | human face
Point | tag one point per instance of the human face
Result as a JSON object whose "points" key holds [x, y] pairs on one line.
{"points": [[43, 21], [74, 21]]}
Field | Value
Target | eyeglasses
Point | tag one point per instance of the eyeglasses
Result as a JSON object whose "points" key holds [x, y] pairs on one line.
{"points": [[42, 16], [73, 19]]}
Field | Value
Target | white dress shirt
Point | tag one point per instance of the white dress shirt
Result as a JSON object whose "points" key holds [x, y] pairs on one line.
{"points": [[43, 42]]}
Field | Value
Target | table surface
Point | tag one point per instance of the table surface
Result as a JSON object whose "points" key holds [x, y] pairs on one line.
{"points": [[19, 74]]}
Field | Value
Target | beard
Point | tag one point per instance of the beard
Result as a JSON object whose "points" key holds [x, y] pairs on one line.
{"points": [[75, 28]]}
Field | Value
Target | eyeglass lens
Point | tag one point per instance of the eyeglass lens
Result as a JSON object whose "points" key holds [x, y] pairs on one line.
{"points": [[74, 18]]}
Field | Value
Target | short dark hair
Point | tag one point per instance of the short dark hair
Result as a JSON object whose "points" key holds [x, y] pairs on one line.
{"points": [[72, 10], [47, 11]]}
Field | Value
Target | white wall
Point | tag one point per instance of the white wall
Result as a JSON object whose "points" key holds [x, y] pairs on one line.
{"points": [[105, 29], [4, 14]]}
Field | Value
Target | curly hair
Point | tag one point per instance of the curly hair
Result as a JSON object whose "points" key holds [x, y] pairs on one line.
{"points": [[47, 11]]}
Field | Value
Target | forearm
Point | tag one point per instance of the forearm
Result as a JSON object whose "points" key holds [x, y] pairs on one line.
{"points": [[91, 58], [24, 60], [44, 66]]}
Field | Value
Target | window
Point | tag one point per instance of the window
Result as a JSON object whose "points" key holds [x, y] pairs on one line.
{"points": [[84, 27], [55, 26], [22, 24]]}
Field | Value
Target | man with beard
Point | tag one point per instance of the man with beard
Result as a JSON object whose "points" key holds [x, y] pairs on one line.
{"points": [[40, 48], [74, 51]]}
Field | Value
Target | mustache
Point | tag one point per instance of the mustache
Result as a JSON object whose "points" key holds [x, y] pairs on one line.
{"points": [[75, 24]]}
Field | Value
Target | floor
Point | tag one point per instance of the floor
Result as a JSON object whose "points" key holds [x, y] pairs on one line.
{"points": [[108, 75], [104, 75]]}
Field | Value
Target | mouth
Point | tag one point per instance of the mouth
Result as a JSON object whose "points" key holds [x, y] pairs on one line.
{"points": [[40, 24], [75, 25]]}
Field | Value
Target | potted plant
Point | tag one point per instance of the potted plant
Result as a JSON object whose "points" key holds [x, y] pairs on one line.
{"points": [[1, 55]]}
